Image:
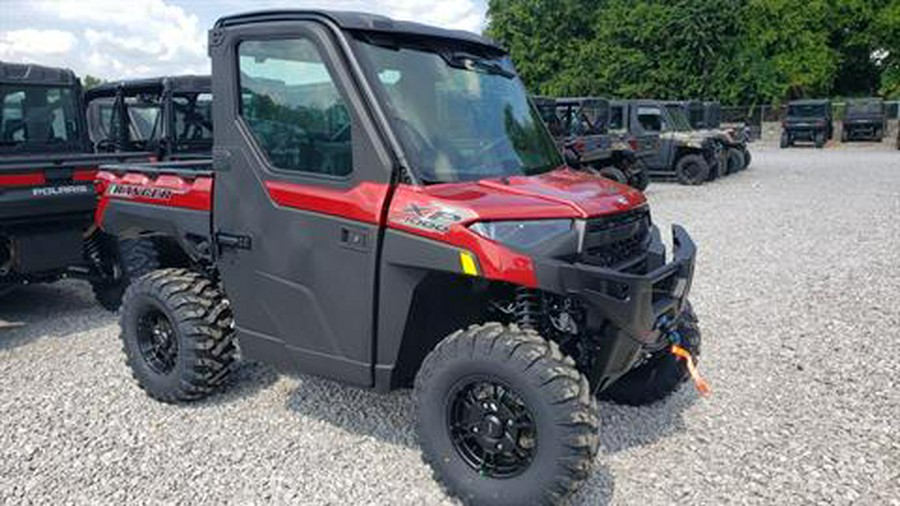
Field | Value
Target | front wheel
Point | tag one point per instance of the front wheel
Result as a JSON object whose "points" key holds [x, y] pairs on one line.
{"points": [[785, 140], [662, 373], [614, 173], [640, 180], [504, 418], [692, 170], [747, 158], [820, 140]]}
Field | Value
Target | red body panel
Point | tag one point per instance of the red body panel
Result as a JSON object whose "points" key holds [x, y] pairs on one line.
{"points": [[363, 202], [163, 189], [560, 194], [440, 212], [22, 179]]}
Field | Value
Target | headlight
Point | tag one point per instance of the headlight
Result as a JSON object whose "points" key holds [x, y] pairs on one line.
{"points": [[521, 234]]}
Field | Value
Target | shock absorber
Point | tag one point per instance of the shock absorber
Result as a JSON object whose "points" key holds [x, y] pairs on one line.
{"points": [[528, 308]]}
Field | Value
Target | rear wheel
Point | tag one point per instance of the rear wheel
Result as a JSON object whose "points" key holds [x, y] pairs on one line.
{"points": [[785, 140], [504, 418], [747, 158], [131, 258], [845, 135], [177, 335], [734, 160], [692, 170], [662, 373]]}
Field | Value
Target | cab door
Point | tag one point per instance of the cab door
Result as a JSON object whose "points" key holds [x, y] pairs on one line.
{"points": [[300, 189], [650, 119]]}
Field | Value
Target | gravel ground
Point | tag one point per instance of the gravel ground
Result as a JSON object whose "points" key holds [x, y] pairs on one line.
{"points": [[798, 290]]}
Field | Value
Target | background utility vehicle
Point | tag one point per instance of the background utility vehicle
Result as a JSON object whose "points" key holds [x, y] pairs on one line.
{"points": [[864, 119], [398, 174], [167, 117], [581, 129], [703, 117], [47, 196], [693, 157], [807, 120]]}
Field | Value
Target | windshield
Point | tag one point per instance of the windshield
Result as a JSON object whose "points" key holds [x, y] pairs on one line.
{"points": [[872, 107], [679, 119], [460, 117], [38, 118], [807, 110]]}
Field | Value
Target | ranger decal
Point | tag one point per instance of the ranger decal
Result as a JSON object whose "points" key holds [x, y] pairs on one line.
{"points": [[147, 192]]}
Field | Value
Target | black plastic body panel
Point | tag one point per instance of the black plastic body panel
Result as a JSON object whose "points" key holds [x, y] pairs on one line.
{"points": [[190, 228], [423, 298]]}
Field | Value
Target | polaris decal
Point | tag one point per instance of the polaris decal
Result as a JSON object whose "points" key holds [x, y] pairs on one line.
{"points": [[430, 217], [58, 191], [129, 191]]}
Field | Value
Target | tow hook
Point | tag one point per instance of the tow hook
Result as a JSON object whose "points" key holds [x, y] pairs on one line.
{"points": [[677, 348]]}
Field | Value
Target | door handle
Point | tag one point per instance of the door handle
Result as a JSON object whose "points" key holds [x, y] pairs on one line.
{"points": [[233, 241], [354, 238]]}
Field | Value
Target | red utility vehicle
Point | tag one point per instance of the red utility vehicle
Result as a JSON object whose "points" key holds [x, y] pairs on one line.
{"points": [[385, 208]]}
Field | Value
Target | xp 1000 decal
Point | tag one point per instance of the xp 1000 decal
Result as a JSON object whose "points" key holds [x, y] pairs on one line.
{"points": [[430, 217]]}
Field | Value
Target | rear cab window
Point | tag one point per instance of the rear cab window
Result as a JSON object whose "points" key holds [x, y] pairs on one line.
{"points": [[38, 118]]}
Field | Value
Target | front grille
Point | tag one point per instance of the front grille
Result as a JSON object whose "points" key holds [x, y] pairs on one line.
{"points": [[617, 240]]}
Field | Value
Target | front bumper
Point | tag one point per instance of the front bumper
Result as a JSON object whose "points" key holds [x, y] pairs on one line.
{"points": [[635, 304]]}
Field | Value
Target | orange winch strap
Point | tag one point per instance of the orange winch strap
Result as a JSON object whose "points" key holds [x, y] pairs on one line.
{"points": [[701, 384]]}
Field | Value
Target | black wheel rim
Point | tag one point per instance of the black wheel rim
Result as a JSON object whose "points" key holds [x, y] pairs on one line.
{"points": [[157, 341], [491, 428]]}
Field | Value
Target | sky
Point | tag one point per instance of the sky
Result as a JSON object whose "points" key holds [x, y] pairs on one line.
{"points": [[118, 39]]}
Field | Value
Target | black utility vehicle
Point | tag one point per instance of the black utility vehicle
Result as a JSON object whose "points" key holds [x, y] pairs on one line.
{"points": [[692, 156], [864, 119], [384, 207], [168, 117], [807, 120], [581, 129], [47, 197]]}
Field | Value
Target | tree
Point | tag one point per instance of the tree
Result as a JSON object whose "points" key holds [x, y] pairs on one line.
{"points": [[89, 81], [737, 51]]}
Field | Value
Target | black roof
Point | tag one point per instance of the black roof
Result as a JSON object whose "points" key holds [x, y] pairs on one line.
{"points": [[202, 84], [36, 74], [358, 21]]}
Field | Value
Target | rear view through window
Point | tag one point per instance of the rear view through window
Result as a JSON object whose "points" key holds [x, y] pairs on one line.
{"points": [[38, 117]]}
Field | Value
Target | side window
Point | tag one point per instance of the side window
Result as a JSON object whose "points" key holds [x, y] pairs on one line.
{"points": [[616, 118], [193, 117], [12, 127], [291, 103], [650, 119]]}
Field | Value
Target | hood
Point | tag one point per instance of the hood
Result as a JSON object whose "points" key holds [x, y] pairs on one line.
{"points": [[693, 138], [563, 193]]}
